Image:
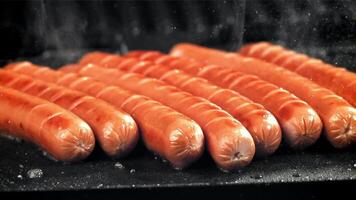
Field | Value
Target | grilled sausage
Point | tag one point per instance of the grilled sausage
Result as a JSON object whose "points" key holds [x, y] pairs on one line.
{"points": [[259, 122], [338, 116], [115, 130], [60, 133], [229, 143], [168, 133], [300, 124], [337, 79]]}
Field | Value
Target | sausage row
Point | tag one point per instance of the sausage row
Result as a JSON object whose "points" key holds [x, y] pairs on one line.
{"points": [[239, 106]]}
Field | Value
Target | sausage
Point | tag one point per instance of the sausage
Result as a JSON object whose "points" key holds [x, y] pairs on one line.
{"points": [[168, 133], [300, 124], [115, 130], [229, 143], [60, 133], [338, 116], [337, 79], [259, 122]]}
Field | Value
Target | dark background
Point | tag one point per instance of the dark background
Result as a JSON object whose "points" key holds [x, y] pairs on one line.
{"points": [[323, 28], [41, 29]]}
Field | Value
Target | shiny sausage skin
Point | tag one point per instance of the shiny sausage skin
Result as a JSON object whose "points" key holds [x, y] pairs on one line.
{"points": [[60, 133], [259, 122], [229, 143], [300, 124], [337, 79], [168, 133], [338, 116], [115, 130]]}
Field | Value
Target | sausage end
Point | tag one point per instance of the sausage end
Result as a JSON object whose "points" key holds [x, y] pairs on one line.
{"points": [[186, 143]]}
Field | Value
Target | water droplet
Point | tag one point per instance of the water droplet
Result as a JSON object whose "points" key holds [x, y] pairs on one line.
{"points": [[21, 166], [119, 165], [132, 171], [100, 185], [349, 169], [19, 176], [155, 157], [34, 173], [62, 172], [11, 182], [355, 165], [258, 176], [297, 175]]}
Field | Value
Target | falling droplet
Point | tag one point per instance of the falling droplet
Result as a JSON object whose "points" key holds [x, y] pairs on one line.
{"points": [[119, 165]]}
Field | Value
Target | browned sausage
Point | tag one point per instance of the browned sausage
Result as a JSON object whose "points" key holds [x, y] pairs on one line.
{"points": [[301, 126], [229, 143], [115, 130], [338, 116], [337, 79], [259, 122], [60, 133], [168, 133]]}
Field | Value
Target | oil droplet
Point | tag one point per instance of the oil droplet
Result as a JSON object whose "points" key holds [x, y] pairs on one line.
{"points": [[34, 173], [258, 176], [119, 165]]}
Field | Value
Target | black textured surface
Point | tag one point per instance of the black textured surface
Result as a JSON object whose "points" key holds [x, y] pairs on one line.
{"points": [[319, 164], [142, 170]]}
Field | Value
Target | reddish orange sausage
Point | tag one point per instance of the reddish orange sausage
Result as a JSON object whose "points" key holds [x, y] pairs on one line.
{"points": [[338, 116], [60, 133], [300, 124], [115, 130], [259, 122], [229, 143], [337, 79], [165, 131]]}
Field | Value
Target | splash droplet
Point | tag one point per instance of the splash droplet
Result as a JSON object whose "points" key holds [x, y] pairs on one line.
{"points": [[258, 176], [119, 165], [34, 173]]}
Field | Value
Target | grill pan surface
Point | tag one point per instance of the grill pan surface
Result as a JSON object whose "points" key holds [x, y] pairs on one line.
{"points": [[322, 28], [321, 163]]}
